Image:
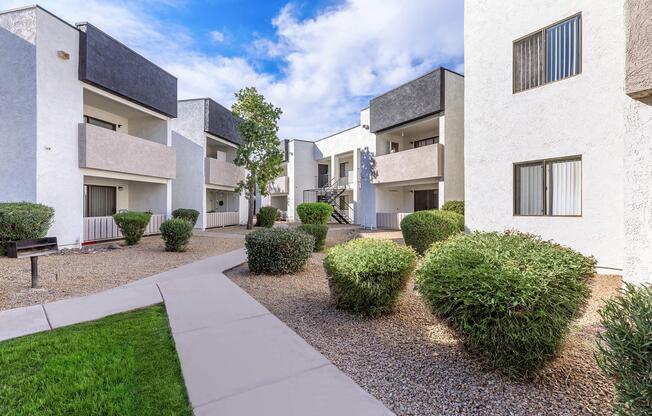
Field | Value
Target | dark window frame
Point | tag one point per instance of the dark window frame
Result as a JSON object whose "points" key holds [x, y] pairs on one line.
{"points": [[87, 200], [544, 163], [543, 33], [417, 143], [100, 123]]}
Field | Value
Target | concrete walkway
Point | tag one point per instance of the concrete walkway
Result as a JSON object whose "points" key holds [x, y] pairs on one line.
{"points": [[236, 357]]}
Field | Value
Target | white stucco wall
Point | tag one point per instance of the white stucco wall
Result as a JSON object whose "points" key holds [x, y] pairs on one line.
{"points": [[302, 170], [453, 126], [582, 115]]}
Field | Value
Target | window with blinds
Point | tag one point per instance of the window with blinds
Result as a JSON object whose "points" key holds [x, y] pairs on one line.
{"points": [[99, 201], [548, 55], [548, 187]]}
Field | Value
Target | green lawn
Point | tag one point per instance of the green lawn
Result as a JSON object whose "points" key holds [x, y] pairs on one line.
{"points": [[122, 365]]}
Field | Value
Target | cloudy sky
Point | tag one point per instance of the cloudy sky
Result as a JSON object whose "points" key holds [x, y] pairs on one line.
{"points": [[320, 60]]}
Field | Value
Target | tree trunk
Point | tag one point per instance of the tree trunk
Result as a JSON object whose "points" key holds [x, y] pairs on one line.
{"points": [[250, 215]]}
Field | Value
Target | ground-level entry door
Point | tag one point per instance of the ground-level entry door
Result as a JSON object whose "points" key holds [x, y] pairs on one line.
{"points": [[322, 178], [427, 199]]}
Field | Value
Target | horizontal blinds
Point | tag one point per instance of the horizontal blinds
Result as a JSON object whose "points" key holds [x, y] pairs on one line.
{"points": [[564, 187], [529, 189]]}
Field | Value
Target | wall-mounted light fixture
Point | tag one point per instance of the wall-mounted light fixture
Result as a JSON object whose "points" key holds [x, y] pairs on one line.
{"points": [[120, 188], [365, 126], [63, 55]]}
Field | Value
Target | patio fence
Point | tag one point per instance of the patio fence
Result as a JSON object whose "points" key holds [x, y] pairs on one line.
{"points": [[104, 228], [390, 220], [222, 219]]}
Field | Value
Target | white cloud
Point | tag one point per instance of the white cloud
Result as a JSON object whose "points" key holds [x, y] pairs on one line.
{"points": [[216, 36], [330, 63]]}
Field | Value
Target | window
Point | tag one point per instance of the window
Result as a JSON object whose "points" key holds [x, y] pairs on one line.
{"points": [[427, 199], [548, 55], [343, 169], [548, 187], [100, 123], [393, 147], [426, 142], [99, 201]]}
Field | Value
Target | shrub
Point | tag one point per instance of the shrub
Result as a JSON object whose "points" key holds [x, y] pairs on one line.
{"points": [[318, 231], [366, 276], [454, 206], [176, 233], [188, 214], [314, 212], [278, 250], [423, 228], [132, 225], [23, 221], [267, 216], [625, 349], [511, 297]]}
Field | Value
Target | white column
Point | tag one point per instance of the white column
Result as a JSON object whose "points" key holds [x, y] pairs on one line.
{"points": [[334, 173], [442, 140], [356, 185], [168, 199]]}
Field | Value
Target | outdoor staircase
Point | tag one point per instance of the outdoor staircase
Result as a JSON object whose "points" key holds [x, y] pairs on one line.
{"points": [[330, 194]]}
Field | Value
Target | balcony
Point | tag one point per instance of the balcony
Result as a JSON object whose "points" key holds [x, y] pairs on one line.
{"points": [[221, 173], [104, 149], [422, 163], [280, 186]]}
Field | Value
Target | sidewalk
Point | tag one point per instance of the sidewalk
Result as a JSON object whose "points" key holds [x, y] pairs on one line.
{"points": [[236, 357]]}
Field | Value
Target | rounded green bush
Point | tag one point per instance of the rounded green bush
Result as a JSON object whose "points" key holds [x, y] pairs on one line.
{"points": [[366, 276], [267, 216], [188, 214], [510, 296], [422, 228], [318, 231], [314, 212], [454, 206], [176, 233], [625, 349], [278, 250], [132, 225], [23, 221]]}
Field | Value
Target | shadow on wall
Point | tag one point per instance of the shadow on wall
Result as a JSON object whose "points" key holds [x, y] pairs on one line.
{"points": [[368, 170]]}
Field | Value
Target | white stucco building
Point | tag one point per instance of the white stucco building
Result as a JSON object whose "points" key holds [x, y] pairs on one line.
{"points": [[206, 139], [406, 154], [558, 125], [84, 125]]}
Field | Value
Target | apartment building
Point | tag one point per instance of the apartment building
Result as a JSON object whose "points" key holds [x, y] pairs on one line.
{"points": [[558, 125], [205, 138], [406, 154], [84, 125]]}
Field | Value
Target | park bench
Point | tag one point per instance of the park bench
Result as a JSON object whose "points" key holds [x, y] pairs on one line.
{"points": [[33, 249]]}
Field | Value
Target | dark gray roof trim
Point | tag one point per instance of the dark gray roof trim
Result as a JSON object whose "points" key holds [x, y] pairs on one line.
{"points": [[108, 64], [220, 121]]}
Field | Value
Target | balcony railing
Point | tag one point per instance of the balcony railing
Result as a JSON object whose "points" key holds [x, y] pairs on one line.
{"points": [[280, 185], [219, 172], [104, 149], [390, 220], [425, 162], [105, 228], [221, 219]]}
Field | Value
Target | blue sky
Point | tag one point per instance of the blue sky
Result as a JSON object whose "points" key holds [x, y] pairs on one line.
{"points": [[320, 61]]}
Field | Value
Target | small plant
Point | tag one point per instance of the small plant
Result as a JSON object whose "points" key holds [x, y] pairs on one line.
{"points": [[455, 206], [366, 276], [267, 216], [314, 212], [188, 214], [625, 349], [132, 225], [176, 233], [318, 231], [23, 221], [511, 297], [278, 250], [423, 228]]}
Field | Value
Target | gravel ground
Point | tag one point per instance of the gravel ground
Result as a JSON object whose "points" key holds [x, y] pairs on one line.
{"points": [[75, 273], [413, 363]]}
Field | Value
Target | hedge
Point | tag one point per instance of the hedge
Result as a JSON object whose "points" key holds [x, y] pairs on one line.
{"points": [[176, 233], [422, 228], [366, 276], [454, 206], [510, 296], [267, 216], [625, 349], [23, 221], [318, 231], [314, 212], [132, 225], [188, 214], [278, 250]]}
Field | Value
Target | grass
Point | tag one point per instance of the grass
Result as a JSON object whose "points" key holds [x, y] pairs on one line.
{"points": [[122, 365]]}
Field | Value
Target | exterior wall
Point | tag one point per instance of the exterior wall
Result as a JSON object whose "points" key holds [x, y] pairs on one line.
{"points": [[148, 197], [59, 112], [582, 115], [121, 195], [18, 106], [453, 140], [412, 164], [638, 70], [302, 170], [400, 199]]}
